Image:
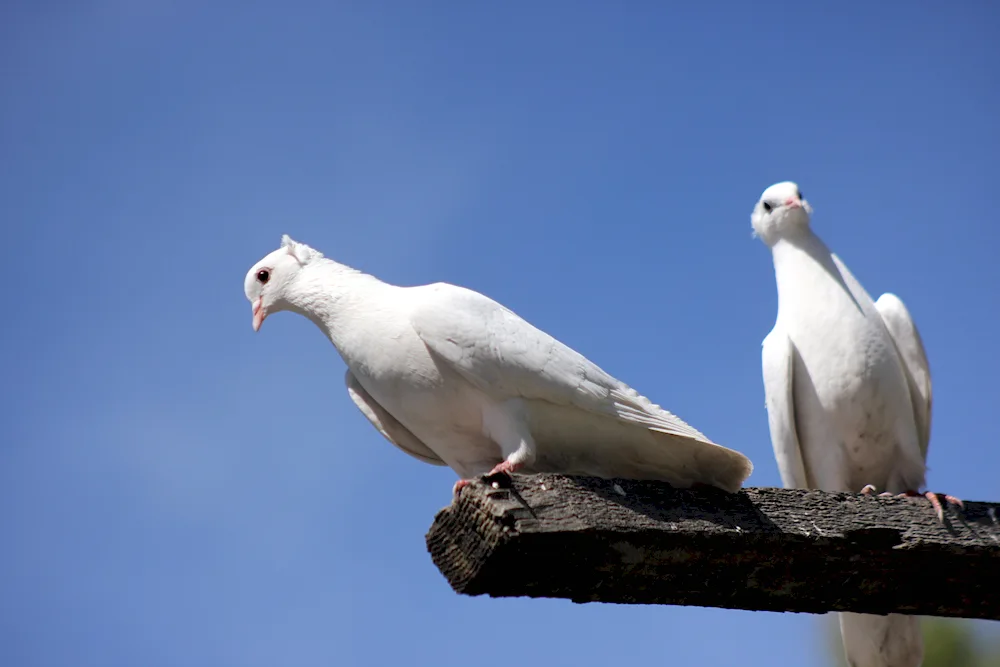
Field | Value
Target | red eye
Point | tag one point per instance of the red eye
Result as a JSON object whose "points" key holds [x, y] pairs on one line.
{"points": [[263, 276]]}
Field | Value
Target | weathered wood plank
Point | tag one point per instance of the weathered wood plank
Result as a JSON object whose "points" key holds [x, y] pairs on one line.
{"points": [[593, 540]]}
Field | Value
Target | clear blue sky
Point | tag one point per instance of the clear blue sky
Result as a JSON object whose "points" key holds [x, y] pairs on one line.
{"points": [[176, 490]]}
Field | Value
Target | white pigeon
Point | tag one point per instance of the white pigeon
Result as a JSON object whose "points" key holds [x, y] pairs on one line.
{"points": [[848, 392], [453, 378]]}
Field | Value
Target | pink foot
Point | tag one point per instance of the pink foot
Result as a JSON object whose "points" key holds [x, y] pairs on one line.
{"points": [[929, 495], [505, 467], [935, 501]]}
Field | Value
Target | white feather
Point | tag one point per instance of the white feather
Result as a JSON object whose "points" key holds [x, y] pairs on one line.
{"points": [[388, 425], [449, 375], [911, 350], [582, 419], [838, 382], [778, 359]]}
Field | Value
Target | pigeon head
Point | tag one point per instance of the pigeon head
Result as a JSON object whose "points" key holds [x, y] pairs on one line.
{"points": [[270, 281], [781, 210]]}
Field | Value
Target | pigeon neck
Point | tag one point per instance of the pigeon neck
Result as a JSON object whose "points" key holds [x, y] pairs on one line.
{"points": [[331, 294], [800, 241], [807, 274], [798, 260]]}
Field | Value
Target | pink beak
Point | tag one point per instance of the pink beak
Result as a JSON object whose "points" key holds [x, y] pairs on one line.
{"points": [[258, 314], [793, 202]]}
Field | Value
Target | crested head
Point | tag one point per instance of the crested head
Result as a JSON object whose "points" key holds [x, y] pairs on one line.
{"points": [[780, 211], [300, 251], [270, 282]]}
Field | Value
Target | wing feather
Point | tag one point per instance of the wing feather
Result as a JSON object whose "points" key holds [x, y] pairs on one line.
{"points": [[908, 343], [388, 425], [507, 357], [778, 362]]}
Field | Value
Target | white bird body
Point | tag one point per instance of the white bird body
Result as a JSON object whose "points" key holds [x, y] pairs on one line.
{"points": [[848, 393], [454, 378], [853, 412]]}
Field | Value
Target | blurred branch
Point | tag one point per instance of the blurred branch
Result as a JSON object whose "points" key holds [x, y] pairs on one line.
{"points": [[593, 540]]}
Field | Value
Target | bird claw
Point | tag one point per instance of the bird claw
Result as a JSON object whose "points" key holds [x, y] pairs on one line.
{"points": [[936, 502], [870, 489], [500, 476], [929, 495], [954, 500], [504, 469]]}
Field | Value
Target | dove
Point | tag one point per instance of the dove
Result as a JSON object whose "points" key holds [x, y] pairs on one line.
{"points": [[453, 378], [848, 394]]}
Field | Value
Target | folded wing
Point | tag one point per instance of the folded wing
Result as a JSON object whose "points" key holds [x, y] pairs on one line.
{"points": [[572, 399], [778, 363], [911, 350], [388, 425]]}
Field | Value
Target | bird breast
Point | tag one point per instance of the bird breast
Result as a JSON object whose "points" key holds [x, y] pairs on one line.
{"points": [[849, 385]]}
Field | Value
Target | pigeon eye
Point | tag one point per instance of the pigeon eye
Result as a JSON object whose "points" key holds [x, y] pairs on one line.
{"points": [[767, 207], [263, 276], [799, 193]]}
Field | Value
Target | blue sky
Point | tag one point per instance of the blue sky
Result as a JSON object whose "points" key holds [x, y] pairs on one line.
{"points": [[176, 490]]}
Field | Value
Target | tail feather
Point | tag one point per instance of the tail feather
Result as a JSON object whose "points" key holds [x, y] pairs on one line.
{"points": [[871, 640], [571, 442]]}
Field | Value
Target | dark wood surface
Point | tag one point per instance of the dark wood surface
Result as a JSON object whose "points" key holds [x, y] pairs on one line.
{"points": [[594, 540]]}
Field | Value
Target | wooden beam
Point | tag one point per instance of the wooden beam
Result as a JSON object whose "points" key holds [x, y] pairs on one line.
{"points": [[631, 542]]}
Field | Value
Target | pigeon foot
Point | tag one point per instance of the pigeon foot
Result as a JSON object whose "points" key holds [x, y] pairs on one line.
{"points": [[504, 468], [929, 495], [935, 501]]}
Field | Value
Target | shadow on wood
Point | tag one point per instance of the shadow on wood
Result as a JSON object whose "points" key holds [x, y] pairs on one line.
{"points": [[632, 542]]}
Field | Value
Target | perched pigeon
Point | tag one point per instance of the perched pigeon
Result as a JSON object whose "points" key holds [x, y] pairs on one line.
{"points": [[848, 393], [453, 378]]}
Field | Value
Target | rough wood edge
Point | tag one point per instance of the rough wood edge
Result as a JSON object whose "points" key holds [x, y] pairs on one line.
{"points": [[632, 542]]}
